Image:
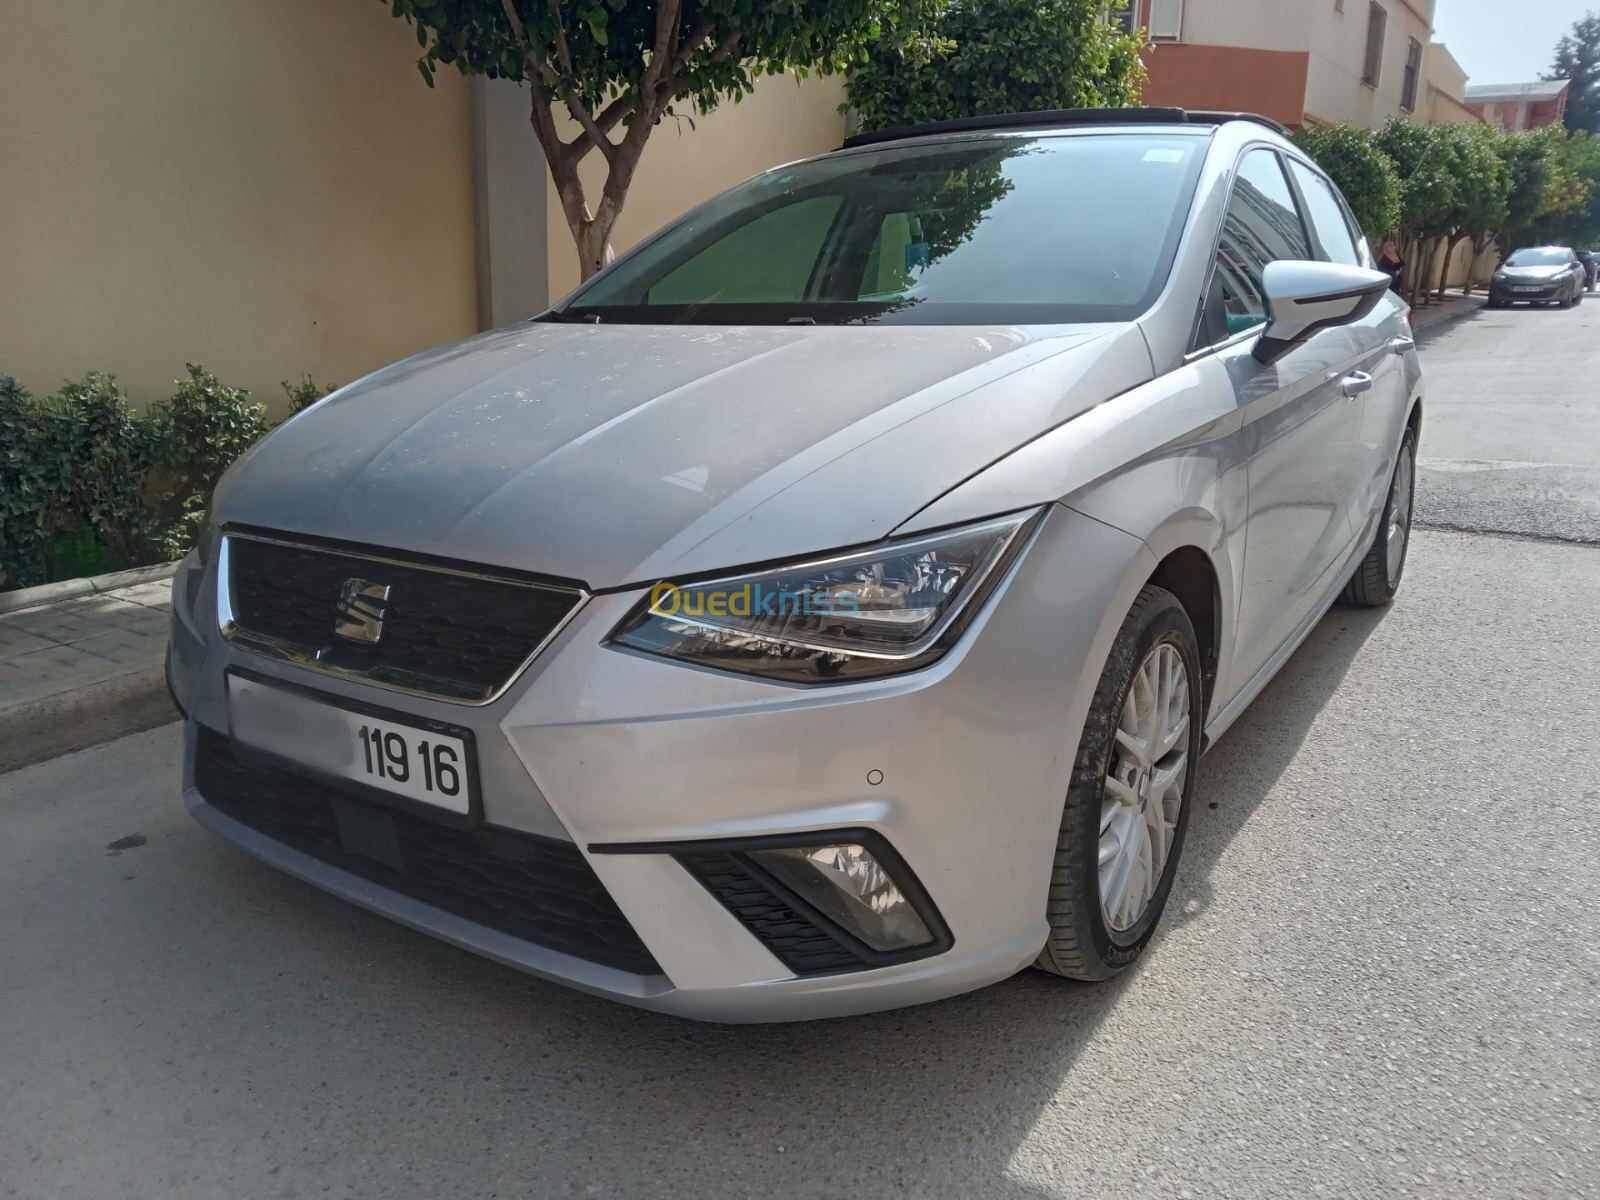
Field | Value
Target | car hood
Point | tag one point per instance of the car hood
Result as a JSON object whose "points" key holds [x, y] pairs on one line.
{"points": [[627, 453], [1530, 274]]}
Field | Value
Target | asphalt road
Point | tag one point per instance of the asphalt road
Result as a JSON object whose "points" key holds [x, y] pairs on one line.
{"points": [[1379, 975], [1511, 441]]}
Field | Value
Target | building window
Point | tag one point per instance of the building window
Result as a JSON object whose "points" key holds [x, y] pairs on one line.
{"points": [[1128, 18], [1377, 26], [1408, 94], [1166, 20]]}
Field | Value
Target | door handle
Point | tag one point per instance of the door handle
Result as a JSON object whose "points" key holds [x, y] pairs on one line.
{"points": [[1355, 383], [1402, 344]]}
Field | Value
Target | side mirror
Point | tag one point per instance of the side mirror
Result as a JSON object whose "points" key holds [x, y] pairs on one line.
{"points": [[1304, 298]]}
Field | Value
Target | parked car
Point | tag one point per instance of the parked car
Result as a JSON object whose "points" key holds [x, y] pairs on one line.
{"points": [[1591, 265], [1539, 275], [825, 607]]}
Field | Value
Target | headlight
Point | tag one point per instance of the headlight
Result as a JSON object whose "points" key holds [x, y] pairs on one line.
{"points": [[894, 608]]}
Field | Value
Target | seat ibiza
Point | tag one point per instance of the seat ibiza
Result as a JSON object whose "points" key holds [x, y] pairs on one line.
{"points": [[825, 607]]}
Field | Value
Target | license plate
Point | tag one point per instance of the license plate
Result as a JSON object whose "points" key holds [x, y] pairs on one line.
{"points": [[419, 764], [1528, 289]]}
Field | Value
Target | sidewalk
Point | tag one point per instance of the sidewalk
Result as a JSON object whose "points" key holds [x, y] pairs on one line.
{"points": [[83, 664], [1453, 306]]}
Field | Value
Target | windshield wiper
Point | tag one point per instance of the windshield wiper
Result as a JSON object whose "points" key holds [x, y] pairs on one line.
{"points": [[567, 318]]}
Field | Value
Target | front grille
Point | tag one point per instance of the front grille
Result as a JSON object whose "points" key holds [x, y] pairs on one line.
{"points": [[534, 888], [800, 943], [445, 632]]}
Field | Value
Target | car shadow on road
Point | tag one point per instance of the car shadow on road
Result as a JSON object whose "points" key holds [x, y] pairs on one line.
{"points": [[934, 1099]]}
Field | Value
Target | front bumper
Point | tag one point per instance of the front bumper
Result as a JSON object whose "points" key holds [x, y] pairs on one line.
{"points": [[1504, 293], [961, 768]]}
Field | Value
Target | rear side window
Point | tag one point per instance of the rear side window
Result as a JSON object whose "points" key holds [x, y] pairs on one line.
{"points": [[1263, 225], [1327, 217]]}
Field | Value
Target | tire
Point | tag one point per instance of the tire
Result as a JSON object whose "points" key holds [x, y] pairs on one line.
{"points": [[1375, 583], [1083, 944]]}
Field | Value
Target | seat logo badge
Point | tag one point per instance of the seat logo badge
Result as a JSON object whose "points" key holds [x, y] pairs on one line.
{"points": [[361, 609]]}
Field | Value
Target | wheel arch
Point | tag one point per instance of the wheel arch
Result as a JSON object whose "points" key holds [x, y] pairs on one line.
{"points": [[1188, 573]]}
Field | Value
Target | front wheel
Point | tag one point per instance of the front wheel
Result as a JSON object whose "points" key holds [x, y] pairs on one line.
{"points": [[1377, 579], [1128, 804]]}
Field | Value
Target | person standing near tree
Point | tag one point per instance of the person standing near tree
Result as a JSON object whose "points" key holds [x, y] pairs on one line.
{"points": [[1391, 264]]}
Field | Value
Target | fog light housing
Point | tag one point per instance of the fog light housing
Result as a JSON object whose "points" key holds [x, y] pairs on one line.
{"points": [[847, 884], [823, 902]]}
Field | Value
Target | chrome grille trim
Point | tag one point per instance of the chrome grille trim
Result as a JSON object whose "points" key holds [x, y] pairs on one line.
{"points": [[426, 687]]}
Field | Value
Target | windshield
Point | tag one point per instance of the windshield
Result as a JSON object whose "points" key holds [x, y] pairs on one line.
{"points": [[1538, 258], [989, 230]]}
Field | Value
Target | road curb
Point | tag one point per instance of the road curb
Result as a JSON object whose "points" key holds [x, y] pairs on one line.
{"points": [[69, 589], [1463, 306], [35, 730]]}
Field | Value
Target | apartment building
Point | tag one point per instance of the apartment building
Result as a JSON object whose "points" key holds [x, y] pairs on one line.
{"points": [[1302, 62], [1446, 89], [1518, 106]]}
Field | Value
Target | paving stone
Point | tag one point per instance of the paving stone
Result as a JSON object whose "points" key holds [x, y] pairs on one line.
{"points": [[157, 594], [80, 642]]}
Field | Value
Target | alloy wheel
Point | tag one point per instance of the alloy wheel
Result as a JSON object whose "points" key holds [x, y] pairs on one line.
{"points": [[1144, 787], [1399, 530]]}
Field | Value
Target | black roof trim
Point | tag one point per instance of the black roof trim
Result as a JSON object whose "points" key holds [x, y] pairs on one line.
{"points": [[1061, 116]]}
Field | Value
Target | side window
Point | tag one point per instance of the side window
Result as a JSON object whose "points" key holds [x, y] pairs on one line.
{"points": [[769, 261], [1262, 226], [1327, 216]]}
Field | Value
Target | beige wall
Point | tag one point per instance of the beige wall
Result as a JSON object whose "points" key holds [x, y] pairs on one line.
{"points": [[265, 188], [1447, 84], [1260, 24], [1338, 43], [1332, 34], [781, 120]]}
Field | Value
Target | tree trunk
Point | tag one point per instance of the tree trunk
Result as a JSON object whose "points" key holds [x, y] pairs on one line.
{"points": [[1422, 296], [1417, 264], [1449, 257], [1407, 245], [591, 228], [1479, 242]]}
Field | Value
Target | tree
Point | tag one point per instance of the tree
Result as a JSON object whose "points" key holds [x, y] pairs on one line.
{"points": [[1364, 173], [1578, 59], [1425, 164], [624, 65], [1482, 189], [994, 56], [1526, 157], [1569, 214]]}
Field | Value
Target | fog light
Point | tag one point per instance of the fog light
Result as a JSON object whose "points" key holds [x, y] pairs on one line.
{"points": [[850, 887]]}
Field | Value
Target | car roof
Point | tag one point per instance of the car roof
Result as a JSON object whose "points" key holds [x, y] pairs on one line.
{"points": [[1061, 118]]}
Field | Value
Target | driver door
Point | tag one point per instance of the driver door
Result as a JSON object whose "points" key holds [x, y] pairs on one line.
{"points": [[1301, 421]]}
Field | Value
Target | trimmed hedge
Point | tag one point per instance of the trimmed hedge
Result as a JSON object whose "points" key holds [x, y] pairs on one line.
{"points": [[87, 485]]}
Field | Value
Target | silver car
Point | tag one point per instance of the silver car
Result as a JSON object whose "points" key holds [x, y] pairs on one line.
{"points": [[824, 608], [1540, 275]]}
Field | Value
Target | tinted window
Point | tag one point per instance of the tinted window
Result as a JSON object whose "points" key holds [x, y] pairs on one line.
{"points": [[990, 229], [1327, 216], [1262, 226], [768, 259]]}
